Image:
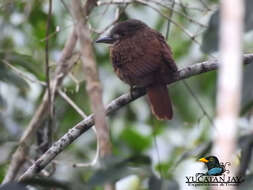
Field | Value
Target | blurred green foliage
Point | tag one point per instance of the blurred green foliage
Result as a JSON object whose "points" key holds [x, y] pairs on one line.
{"points": [[210, 37]]}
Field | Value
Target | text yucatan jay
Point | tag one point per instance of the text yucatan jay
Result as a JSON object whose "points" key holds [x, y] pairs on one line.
{"points": [[142, 58]]}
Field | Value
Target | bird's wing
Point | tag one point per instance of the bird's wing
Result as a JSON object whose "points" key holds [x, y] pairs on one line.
{"points": [[167, 53], [148, 56], [215, 171]]}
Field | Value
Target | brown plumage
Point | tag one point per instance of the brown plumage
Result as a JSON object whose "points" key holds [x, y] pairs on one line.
{"points": [[142, 58]]}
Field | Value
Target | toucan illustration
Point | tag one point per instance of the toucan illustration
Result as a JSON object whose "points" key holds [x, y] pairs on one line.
{"points": [[213, 165]]}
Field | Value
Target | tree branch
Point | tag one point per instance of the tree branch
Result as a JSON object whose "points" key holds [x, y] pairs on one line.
{"points": [[115, 105], [93, 85]]}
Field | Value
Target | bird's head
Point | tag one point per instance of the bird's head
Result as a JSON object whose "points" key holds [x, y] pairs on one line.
{"points": [[210, 161], [122, 30]]}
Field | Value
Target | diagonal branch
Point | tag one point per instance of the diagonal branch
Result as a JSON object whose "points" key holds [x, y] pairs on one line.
{"points": [[115, 105]]}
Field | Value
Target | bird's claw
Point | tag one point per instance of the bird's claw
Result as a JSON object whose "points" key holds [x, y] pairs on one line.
{"points": [[132, 88]]}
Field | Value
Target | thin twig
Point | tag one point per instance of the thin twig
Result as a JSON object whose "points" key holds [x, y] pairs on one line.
{"points": [[168, 22], [22, 75], [58, 29], [173, 10], [71, 103], [118, 12], [204, 4], [195, 97], [50, 103], [187, 33], [76, 81], [146, 3], [117, 2], [81, 113]]}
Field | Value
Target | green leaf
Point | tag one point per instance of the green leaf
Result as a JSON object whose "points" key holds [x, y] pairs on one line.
{"points": [[3, 168], [135, 140]]}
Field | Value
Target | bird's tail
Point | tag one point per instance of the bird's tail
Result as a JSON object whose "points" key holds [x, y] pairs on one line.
{"points": [[160, 101]]}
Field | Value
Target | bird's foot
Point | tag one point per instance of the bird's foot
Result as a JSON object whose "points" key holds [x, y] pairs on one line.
{"points": [[133, 89]]}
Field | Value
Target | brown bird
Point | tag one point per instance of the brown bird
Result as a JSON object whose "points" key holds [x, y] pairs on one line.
{"points": [[142, 58]]}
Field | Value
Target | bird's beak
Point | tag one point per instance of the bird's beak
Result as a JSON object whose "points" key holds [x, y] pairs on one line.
{"points": [[106, 39], [203, 160]]}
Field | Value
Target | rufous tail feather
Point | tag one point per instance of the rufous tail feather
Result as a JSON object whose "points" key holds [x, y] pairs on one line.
{"points": [[160, 101]]}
